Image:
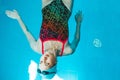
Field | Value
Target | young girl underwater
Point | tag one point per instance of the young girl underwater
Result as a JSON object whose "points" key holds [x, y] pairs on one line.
{"points": [[53, 39]]}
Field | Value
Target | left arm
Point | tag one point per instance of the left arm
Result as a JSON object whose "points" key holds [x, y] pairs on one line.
{"points": [[71, 47], [34, 44]]}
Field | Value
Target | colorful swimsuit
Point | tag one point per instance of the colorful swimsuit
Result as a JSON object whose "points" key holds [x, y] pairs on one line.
{"points": [[55, 23]]}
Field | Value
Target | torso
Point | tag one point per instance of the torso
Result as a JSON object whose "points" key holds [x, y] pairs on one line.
{"points": [[54, 30], [49, 45], [54, 44]]}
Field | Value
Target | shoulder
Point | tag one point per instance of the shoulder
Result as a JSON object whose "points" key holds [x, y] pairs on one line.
{"points": [[67, 49], [38, 46], [46, 2]]}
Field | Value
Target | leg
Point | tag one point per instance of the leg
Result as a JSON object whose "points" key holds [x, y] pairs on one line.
{"points": [[68, 4], [46, 2]]}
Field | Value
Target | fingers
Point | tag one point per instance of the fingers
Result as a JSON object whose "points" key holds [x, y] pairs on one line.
{"points": [[12, 14], [78, 16], [15, 10], [79, 13], [8, 13]]}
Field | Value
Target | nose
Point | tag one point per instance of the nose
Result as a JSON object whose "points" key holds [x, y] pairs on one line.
{"points": [[45, 58], [44, 61]]}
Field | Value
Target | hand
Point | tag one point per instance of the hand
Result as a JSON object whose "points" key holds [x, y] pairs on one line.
{"points": [[78, 17], [12, 14]]}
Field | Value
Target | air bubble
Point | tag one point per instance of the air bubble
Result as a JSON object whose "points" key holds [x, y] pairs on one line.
{"points": [[97, 43]]}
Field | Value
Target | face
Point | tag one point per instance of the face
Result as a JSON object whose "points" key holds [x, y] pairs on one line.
{"points": [[47, 60]]}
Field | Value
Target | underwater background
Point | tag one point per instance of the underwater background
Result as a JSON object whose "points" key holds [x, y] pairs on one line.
{"points": [[97, 56]]}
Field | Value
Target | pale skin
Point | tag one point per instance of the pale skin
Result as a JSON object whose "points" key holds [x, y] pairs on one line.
{"points": [[48, 59]]}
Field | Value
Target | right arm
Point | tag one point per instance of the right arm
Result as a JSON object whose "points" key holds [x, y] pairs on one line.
{"points": [[35, 45], [71, 47]]}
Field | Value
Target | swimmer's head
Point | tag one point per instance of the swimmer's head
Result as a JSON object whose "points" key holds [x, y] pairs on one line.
{"points": [[48, 59], [47, 65]]}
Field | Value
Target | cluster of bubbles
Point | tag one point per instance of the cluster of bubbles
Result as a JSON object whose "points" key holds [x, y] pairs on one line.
{"points": [[97, 43]]}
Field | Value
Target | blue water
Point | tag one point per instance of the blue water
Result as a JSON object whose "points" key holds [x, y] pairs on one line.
{"points": [[101, 20]]}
